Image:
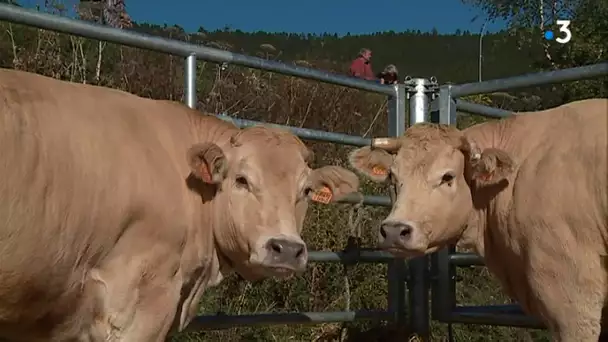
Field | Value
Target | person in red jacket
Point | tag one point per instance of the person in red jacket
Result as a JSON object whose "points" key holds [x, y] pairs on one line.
{"points": [[361, 67]]}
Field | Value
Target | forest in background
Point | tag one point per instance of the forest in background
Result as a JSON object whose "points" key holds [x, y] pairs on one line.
{"points": [[258, 95]]}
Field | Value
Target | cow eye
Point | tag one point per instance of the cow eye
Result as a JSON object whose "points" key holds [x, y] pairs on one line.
{"points": [[242, 182], [447, 178]]}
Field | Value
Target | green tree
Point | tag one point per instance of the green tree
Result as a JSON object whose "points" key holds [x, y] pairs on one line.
{"points": [[528, 20]]}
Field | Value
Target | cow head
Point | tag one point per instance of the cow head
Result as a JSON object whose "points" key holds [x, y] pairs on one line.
{"points": [[264, 186], [434, 173]]}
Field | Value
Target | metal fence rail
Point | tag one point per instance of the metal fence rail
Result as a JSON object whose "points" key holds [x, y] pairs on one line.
{"points": [[221, 321], [530, 80], [174, 47], [305, 133]]}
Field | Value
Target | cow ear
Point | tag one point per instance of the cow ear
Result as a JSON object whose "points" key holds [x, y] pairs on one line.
{"points": [[208, 162], [373, 163], [490, 166], [332, 183]]}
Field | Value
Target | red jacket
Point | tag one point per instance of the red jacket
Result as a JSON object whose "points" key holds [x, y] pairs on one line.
{"points": [[362, 69]]}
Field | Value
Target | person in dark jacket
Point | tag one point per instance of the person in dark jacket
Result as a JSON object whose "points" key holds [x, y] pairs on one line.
{"points": [[361, 67], [390, 75]]}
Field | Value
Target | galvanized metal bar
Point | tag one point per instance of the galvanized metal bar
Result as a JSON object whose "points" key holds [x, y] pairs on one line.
{"points": [[41, 20], [447, 105], [478, 109], [530, 80], [304, 133], [497, 315], [397, 268], [418, 284], [373, 200], [434, 108], [190, 81], [361, 256], [221, 321], [419, 100], [466, 259], [443, 287]]}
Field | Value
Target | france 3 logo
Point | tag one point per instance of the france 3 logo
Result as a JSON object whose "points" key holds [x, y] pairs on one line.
{"points": [[563, 29]]}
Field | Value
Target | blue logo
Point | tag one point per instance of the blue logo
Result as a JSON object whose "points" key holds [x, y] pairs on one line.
{"points": [[549, 35]]}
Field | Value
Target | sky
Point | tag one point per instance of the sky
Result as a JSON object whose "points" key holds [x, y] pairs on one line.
{"points": [[311, 16]]}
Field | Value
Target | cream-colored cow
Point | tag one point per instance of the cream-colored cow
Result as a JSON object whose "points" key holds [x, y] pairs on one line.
{"points": [[532, 190], [117, 212]]}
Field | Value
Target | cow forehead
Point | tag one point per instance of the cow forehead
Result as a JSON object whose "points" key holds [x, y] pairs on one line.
{"points": [[272, 153], [266, 139], [423, 144], [279, 162], [263, 133], [428, 135]]}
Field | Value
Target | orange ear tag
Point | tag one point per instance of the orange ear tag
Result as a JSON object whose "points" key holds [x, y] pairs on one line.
{"points": [[205, 174], [323, 195], [379, 171]]}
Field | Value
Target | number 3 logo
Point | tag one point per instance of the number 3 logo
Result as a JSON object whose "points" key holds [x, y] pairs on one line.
{"points": [[563, 27]]}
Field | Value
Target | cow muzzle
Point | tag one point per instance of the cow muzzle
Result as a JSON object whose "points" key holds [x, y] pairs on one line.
{"points": [[283, 255], [401, 238]]}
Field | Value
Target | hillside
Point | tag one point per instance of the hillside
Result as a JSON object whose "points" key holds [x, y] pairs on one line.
{"points": [[452, 58]]}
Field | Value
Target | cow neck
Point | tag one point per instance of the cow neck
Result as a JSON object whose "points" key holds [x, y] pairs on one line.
{"points": [[210, 128], [225, 264], [491, 206], [218, 269], [217, 208], [489, 203]]}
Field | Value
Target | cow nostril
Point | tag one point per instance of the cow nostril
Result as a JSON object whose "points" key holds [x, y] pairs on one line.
{"points": [[276, 247], [406, 230], [284, 248], [299, 252], [382, 232]]}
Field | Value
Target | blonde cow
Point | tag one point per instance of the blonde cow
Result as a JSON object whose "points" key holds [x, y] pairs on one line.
{"points": [[117, 212], [532, 190]]}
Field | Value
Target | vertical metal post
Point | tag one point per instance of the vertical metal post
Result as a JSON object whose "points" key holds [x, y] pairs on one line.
{"points": [[396, 112], [419, 100], [190, 81], [447, 105], [396, 268], [444, 284], [418, 285]]}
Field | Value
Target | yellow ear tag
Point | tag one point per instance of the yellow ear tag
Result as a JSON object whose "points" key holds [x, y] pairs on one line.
{"points": [[379, 171], [323, 195]]}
